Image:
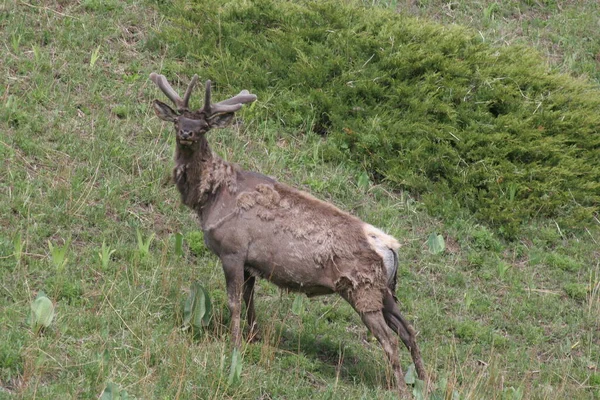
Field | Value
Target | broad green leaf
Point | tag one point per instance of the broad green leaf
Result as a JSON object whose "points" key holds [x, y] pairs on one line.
{"points": [[297, 306], [204, 307], [419, 390], [197, 307], [179, 244], [364, 181], [410, 376], [42, 312], [112, 392], [235, 370], [188, 308], [436, 243]]}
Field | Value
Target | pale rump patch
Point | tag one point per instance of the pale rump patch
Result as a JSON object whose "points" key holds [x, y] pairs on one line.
{"points": [[386, 246]]}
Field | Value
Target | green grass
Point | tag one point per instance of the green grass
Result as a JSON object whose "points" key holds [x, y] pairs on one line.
{"points": [[434, 111], [85, 166], [564, 32]]}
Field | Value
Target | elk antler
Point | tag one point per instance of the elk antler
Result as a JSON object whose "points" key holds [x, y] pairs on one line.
{"points": [[232, 104], [163, 84]]}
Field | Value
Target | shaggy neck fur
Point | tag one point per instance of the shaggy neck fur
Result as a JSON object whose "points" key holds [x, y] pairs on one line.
{"points": [[199, 173]]}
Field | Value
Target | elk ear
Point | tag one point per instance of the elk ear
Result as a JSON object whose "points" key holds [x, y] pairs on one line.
{"points": [[220, 120], [164, 112]]}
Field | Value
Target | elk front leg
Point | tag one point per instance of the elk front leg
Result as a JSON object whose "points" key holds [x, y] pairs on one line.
{"points": [[249, 281], [233, 267]]}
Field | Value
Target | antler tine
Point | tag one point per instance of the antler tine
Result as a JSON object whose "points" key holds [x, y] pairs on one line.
{"points": [[188, 92], [163, 84], [230, 105], [241, 98], [207, 109], [235, 103]]}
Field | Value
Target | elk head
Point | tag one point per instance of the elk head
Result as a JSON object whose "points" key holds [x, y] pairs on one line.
{"points": [[190, 126]]}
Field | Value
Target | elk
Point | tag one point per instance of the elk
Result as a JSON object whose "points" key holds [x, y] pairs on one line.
{"points": [[261, 228]]}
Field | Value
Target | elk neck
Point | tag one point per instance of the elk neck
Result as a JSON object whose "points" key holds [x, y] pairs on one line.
{"points": [[199, 174]]}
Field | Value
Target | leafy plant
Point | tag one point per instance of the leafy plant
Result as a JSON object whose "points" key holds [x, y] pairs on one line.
{"points": [[18, 248], [105, 253], [363, 181], [502, 269], [95, 56], [58, 255], [15, 41], [113, 392], [143, 245], [436, 243], [576, 291], [42, 313], [235, 370], [410, 378], [197, 309], [195, 242], [179, 244], [297, 305]]}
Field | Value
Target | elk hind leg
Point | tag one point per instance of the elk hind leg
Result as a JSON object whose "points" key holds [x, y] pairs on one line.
{"points": [[378, 327], [402, 327]]}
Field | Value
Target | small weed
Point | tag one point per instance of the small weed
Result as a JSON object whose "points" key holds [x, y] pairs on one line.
{"points": [[58, 255], [502, 269], [143, 245], [235, 370], [179, 244], [113, 392], [42, 313], [15, 41], [105, 253], [297, 305], [18, 248], [95, 56], [195, 241]]}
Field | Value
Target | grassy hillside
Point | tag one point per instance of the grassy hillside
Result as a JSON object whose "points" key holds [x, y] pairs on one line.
{"points": [[85, 168], [564, 32], [430, 110]]}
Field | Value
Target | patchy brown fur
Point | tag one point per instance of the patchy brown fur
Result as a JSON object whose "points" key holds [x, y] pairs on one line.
{"points": [[262, 228]]}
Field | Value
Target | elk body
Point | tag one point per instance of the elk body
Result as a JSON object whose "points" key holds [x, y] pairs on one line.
{"points": [[260, 228]]}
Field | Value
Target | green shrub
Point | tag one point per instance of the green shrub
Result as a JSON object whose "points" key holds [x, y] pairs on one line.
{"points": [[576, 291], [563, 262], [432, 110], [195, 241]]}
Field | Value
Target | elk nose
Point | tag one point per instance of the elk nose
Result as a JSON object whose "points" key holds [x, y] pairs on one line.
{"points": [[184, 135]]}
